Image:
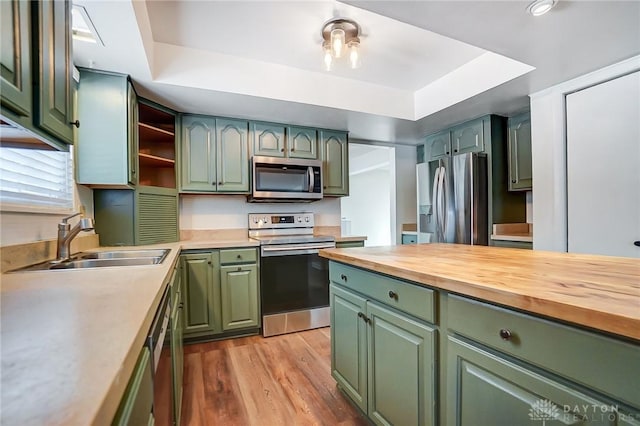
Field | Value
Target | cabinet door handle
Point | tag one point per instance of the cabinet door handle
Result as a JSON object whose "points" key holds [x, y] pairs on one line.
{"points": [[239, 256], [636, 243], [513, 181], [455, 150], [505, 334], [293, 150], [447, 152], [75, 123], [364, 317], [281, 149], [393, 295], [220, 184], [209, 263], [343, 277], [239, 269]]}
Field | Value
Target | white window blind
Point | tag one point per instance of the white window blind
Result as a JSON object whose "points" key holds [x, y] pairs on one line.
{"points": [[35, 180]]}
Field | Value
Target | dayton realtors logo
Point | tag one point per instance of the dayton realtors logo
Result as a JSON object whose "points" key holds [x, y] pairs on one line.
{"points": [[543, 410]]}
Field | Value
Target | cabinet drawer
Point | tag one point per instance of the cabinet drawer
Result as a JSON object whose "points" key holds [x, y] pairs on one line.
{"points": [[593, 360], [238, 256], [410, 298]]}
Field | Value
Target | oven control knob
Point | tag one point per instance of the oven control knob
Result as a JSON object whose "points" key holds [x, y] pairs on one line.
{"points": [[255, 220], [266, 219], [299, 219], [306, 219]]}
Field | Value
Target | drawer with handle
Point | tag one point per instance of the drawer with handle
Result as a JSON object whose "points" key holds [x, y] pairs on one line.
{"points": [[411, 298], [248, 255], [593, 360]]}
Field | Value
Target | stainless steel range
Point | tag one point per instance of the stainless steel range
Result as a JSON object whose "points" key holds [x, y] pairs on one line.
{"points": [[294, 279]]}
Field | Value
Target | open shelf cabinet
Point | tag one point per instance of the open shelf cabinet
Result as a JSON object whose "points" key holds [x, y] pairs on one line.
{"points": [[156, 147]]}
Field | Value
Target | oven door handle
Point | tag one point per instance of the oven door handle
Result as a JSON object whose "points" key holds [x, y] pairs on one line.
{"points": [[292, 249]]}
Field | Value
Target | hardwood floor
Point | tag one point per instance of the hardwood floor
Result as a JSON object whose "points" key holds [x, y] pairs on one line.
{"points": [[280, 380]]}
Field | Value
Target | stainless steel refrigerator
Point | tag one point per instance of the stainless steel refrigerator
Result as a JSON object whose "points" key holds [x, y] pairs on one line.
{"points": [[452, 200]]}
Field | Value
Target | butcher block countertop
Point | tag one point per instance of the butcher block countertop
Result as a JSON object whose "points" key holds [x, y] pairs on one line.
{"points": [[599, 292]]}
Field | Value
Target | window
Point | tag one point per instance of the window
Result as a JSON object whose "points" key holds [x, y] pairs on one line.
{"points": [[35, 180]]}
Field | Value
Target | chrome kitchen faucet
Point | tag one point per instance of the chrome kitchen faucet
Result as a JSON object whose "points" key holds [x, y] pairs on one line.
{"points": [[66, 234]]}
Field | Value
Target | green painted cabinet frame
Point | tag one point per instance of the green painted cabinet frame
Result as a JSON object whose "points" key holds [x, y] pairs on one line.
{"points": [[519, 150], [15, 76], [334, 153], [107, 146]]}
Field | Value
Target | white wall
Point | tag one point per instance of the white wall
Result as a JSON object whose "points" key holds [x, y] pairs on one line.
{"points": [[369, 209], [548, 133], [406, 196], [230, 211]]}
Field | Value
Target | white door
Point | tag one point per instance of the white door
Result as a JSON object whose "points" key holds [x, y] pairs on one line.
{"points": [[603, 168]]}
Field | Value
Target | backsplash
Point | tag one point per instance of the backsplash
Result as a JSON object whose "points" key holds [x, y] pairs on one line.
{"points": [[230, 211]]}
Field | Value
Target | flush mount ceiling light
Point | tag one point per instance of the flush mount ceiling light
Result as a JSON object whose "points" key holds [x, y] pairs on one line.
{"points": [[339, 36], [540, 7]]}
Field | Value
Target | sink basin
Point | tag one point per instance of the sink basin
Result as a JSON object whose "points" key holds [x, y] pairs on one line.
{"points": [[96, 263], [124, 254], [103, 259]]}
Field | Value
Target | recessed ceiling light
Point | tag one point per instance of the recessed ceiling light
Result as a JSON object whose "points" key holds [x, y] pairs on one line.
{"points": [[540, 7], [82, 28]]}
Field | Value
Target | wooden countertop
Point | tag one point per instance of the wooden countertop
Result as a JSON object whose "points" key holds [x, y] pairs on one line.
{"points": [[598, 292], [71, 338]]}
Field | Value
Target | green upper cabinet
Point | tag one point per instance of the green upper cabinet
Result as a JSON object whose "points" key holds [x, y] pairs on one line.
{"points": [[302, 142], [278, 140], [54, 68], [15, 57], [239, 296], [233, 155], [198, 171], [214, 155], [106, 151], [201, 292], [268, 139], [468, 137], [438, 145], [334, 154], [519, 147]]}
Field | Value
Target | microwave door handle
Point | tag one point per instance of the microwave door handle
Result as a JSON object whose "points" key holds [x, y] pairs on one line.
{"points": [[311, 178]]}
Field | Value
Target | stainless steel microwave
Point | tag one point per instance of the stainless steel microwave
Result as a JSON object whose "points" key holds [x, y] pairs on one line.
{"points": [[286, 180]]}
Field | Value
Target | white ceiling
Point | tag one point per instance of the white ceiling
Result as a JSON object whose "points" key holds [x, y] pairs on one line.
{"points": [[425, 65]]}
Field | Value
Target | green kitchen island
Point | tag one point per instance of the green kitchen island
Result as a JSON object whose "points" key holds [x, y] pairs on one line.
{"points": [[446, 334]]}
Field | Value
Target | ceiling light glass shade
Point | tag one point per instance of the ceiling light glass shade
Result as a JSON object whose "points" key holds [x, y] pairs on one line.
{"points": [[327, 57], [540, 7], [337, 41], [354, 58]]}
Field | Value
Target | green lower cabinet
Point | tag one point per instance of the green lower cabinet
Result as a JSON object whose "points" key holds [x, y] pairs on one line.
{"points": [[349, 344], [383, 360], [239, 296], [347, 244], [177, 357], [201, 292], [513, 244], [137, 402], [401, 369], [486, 389]]}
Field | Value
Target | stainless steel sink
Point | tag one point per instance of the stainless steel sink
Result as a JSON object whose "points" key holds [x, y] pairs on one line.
{"points": [[124, 254], [103, 259], [96, 263]]}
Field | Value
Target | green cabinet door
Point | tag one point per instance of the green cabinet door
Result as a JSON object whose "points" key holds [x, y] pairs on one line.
{"points": [[302, 142], [137, 403], [233, 155], [106, 151], [55, 89], [156, 219], [198, 155], [485, 389], [401, 369], [201, 292], [239, 296], [349, 344], [267, 139], [15, 56], [334, 155], [468, 137], [519, 148], [438, 145]]}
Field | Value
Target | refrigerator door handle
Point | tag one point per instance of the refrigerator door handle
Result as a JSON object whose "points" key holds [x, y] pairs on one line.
{"points": [[441, 205]]}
